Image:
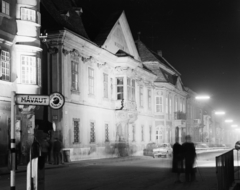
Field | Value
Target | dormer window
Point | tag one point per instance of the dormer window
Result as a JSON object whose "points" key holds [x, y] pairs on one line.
{"points": [[28, 14], [5, 8]]}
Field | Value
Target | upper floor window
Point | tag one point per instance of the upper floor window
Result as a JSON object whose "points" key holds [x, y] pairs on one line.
{"points": [[28, 70], [105, 85], [75, 77], [141, 96], [166, 105], [5, 65], [149, 99], [150, 133], [159, 104], [130, 89], [120, 87], [5, 7], [90, 80], [170, 105], [176, 104], [28, 14]]}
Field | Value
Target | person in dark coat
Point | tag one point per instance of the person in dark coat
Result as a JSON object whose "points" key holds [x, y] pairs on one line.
{"points": [[177, 162], [189, 156], [57, 147]]}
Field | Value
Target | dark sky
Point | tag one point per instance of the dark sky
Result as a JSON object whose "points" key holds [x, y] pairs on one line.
{"points": [[200, 38]]}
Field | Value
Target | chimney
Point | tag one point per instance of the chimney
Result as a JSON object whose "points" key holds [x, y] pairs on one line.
{"points": [[159, 52], [78, 10]]}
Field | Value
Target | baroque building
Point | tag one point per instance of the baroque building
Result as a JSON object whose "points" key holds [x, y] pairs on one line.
{"points": [[115, 90], [20, 69]]}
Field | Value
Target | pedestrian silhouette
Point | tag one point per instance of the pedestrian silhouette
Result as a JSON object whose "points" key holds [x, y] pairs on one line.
{"points": [[177, 162], [190, 157]]}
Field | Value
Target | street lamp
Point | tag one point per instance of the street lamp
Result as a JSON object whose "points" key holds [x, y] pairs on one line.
{"points": [[228, 121], [202, 97], [219, 113], [234, 125]]}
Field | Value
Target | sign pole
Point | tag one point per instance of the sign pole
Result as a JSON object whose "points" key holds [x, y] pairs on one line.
{"points": [[13, 143]]}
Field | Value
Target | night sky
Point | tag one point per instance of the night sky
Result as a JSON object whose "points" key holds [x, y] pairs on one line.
{"points": [[200, 38]]}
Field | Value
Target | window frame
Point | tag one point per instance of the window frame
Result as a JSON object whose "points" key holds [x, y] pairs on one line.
{"points": [[141, 96], [106, 132], [28, 74], [149, 99], [78, 131], [105, 85], [120, 94], [5, 66], [92, 132], [4, 10], [28, 16], [74, 75], [160, 104], [90, 81]]}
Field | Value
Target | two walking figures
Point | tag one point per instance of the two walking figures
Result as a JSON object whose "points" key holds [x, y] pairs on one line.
{"points": [[184, 158]]}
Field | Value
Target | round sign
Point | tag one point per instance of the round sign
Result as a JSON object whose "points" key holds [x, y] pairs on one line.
{"points": [[56, 100]]}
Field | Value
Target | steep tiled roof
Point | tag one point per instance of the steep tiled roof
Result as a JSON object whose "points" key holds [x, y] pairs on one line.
{"points": [[152, 61], [107, 27], [63, 15]]}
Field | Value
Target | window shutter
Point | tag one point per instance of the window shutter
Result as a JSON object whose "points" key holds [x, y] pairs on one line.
{"points": [[39, 72]]}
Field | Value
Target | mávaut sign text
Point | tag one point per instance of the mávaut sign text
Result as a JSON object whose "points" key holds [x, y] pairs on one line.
{"points": [[27, 99]]}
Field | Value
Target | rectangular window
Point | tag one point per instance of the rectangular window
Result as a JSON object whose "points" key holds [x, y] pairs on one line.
{"points": [[106, 133], [159, 106], [105, 85], [92, 132], [129, 89], [5, 7], [133, 133], [133, 90], [141, 96], [142, 133], [28, 70], [176, 104], [28, 14], [166, 105], [5, 65], [150, 133], [170, 105], [149, 99], [90, 81], [76, 131], [75, 76], [180, 104], [120, 93]]}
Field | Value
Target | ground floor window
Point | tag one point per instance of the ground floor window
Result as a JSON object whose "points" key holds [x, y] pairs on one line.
{"points": [[106, 133], [92, 132], [75, 131]]}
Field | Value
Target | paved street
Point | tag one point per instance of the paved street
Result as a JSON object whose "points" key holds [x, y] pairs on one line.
{"points": [[138, 173]]}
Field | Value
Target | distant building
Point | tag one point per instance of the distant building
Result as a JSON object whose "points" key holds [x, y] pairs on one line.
{"points": [[20, 68]]}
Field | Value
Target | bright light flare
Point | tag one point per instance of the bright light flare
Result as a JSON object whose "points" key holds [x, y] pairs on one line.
{"points": [[234, 125], [219, 113], [228, 121], [204, 97]]}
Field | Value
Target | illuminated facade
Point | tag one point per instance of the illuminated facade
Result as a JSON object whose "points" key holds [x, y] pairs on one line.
{"points": [[20, 67], [111, 93]]}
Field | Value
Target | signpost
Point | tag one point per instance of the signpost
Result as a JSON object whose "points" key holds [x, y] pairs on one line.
{"points": [[55, 101]]}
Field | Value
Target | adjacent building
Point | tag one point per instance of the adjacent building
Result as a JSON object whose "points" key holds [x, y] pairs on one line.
{"points": [[20, 68]]}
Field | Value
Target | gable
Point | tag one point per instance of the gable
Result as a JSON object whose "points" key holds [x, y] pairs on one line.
{"points": [[179, 85], [119, 37]]}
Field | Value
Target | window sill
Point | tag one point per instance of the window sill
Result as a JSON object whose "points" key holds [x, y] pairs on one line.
{"points": [[91, 95], [75, 92], [29, 22], [5, 15]]}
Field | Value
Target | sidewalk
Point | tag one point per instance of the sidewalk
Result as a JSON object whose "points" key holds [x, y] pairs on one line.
{"points": [[5, 170]]}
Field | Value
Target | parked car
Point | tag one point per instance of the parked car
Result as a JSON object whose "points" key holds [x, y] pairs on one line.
{"points": [[157, 150], [200, 145]]}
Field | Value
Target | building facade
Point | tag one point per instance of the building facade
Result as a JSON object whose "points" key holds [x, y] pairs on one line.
{"points": [[20, 69]]}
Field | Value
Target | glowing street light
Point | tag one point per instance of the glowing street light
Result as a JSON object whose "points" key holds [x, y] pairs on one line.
{"points": [[203, 97], [219, 113], [234, 125], [228, 121]]}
